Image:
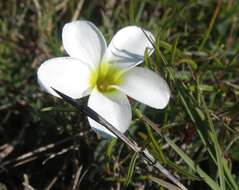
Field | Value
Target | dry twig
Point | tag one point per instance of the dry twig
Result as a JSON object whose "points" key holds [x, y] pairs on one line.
{"points": [[32, 155], [132, 144]]}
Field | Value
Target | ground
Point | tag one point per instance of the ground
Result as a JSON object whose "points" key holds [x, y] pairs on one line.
{"points": [[47, 144]]}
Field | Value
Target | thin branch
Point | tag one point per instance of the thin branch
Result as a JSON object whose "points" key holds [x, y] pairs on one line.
{"points": [[131, 143], [78, 10], [32, 155], [77, 177]]}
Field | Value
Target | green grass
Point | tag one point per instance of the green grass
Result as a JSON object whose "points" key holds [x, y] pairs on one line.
{"points": [[195, 137]]}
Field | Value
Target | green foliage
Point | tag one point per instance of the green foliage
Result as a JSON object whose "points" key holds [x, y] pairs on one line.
{"points": [[195, 137]]}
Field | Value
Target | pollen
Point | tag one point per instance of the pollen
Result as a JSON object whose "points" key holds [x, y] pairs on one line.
{"points": [[105, 77]]}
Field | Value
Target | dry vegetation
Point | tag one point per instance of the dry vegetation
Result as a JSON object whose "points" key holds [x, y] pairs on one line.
{"points": [[46, 144]]}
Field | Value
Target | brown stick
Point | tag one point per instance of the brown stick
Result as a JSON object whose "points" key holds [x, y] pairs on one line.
{"points": [[131, 143], [32, 155]]}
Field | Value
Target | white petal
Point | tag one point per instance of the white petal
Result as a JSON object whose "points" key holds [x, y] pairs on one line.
{"points": [[128, 46], [145, 86], [65, 74], [115, 108], [83, 40]]}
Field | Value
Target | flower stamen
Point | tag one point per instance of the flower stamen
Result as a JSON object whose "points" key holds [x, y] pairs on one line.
{"points": [[105, 76]]}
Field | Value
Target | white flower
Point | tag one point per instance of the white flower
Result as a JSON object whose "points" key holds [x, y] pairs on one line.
{"points": [[107, 74]]}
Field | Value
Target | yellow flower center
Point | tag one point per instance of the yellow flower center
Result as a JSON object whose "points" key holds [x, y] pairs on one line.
{"points": [[105, 76]]}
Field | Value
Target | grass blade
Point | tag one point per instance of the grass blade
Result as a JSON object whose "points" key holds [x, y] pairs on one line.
{"points": [[131, 168], [164, 183], [213, 184]]}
